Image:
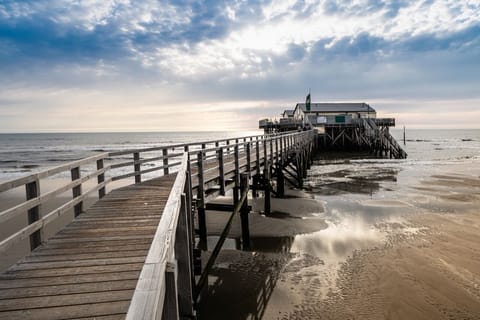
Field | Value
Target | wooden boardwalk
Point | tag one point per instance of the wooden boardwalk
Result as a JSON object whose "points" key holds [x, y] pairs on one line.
{"points": [[131, 254], [89, 269]]}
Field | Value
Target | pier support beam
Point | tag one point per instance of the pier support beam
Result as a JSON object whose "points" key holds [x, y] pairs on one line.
{"points": [[266, 182], [280, 181], [244, 212]]}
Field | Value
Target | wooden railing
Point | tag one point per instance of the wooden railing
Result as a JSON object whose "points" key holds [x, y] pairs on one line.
{"points": [[204, 169], [167, 268], [103, 169]]}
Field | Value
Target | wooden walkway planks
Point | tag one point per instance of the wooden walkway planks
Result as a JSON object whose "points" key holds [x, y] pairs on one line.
{"points": [[91, 267]]}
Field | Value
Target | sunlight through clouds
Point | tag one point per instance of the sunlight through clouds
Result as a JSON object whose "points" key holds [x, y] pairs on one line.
{"points": [[260, 55]]}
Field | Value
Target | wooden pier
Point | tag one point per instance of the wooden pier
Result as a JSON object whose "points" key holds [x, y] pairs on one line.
{"points": [[341, 126], [134, 254], [367, 135]]}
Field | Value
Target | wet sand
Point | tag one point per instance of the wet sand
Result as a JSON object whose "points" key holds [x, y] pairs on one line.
{"points": [[410, 249], [369, 243]]}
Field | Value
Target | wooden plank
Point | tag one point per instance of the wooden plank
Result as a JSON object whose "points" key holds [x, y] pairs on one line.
{"points": [[32, 282], [91, 255], [65, 300], [93, 310], [51, 272], [64, 289], [91, 249]]}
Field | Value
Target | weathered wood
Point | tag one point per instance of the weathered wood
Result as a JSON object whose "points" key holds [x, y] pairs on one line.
{"points": [[170, 308], [100, 178], [109, 242], [244, 211], [165, 161], [147, 301], [221, 171], [266, 177], [11, 184], [183, 253], [77, 191], [65, 289], [202, 221], [92, 311], [33, 191], [136, 167]]}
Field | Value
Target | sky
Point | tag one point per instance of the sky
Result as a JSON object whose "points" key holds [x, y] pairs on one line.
{"points": [[191, 65]]}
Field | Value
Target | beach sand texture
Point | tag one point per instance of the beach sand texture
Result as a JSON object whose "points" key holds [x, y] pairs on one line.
{"points": [[419, 260]]}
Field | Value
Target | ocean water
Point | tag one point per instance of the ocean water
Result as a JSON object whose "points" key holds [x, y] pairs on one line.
{"points": [[26, 153]]}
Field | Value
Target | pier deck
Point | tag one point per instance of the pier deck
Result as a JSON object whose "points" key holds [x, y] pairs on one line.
{"points": [[131, 254], [89, 269]]}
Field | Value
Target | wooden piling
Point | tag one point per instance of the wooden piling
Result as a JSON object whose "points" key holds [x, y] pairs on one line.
{"points": [[244, 212], [266, 185], [202, 220]]}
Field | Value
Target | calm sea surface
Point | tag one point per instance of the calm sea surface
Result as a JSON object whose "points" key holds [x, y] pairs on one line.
{"points": [[25, 153], [21, 154]]}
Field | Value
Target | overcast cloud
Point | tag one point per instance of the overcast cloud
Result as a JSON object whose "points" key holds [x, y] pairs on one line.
{"points": [[164, 65]]}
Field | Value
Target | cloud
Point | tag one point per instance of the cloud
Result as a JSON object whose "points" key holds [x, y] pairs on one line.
{"points": [[253, 54]]}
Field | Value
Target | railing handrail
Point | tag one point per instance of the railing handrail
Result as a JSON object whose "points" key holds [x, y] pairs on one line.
{"points": [[17, 182], [150, 289]]}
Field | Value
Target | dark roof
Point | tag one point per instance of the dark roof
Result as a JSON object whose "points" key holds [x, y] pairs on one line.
{"points": [[337, 107], [289, 112]]}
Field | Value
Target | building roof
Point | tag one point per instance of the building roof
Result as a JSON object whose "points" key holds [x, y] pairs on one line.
{"points": [[288, 113], [337, 107]]}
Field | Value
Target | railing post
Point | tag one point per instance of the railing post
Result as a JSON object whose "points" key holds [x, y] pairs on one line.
{"points": [[248, 158], [244, 211], [165, 161], [276, 150], [32, 190], [183, 252], [221, 171], [237, 166], [228, 148], [100, 179], [170, 307], [202, 222], [266, 184], [257, 152], [136, 167], [76, 191], [265, 152], [271, 152]]}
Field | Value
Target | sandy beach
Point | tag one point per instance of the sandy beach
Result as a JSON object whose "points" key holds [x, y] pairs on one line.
{"points": [[367, 241], [409, 252]]}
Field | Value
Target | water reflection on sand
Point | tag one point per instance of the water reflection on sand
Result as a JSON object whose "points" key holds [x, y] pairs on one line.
{"points": [[279, 274]]}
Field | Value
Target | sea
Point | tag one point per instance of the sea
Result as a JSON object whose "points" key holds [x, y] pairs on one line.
{"points": [[25, 153]]}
